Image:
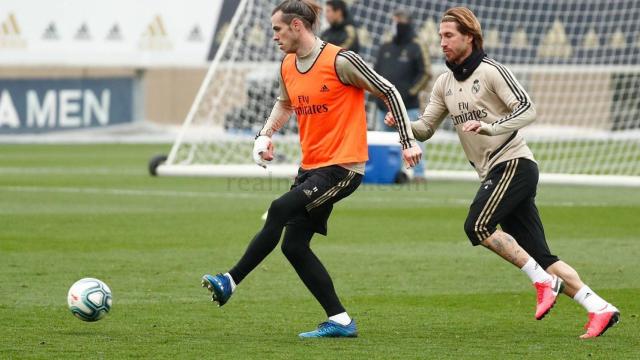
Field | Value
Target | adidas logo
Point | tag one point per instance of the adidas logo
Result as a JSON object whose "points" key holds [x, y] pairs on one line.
{"points": [[155, 37], [83, 33], [114, 33], [324, 88], [307, 192], [51, 32], [156, 28], [449, 93], [10, 26], [195, 35], [10, 33]]}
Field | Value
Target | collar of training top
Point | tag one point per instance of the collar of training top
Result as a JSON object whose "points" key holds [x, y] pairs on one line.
{"points": [[463, 70]]}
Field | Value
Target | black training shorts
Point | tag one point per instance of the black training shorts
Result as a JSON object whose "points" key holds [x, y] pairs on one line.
{"points": [[507, 198], [322, 188]]}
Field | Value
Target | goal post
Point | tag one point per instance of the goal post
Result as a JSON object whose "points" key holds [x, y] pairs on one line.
{"points": [[579, 62]]}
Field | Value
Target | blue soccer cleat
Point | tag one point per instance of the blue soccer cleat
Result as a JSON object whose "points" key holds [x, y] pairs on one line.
{"points": [[332, 329], [220, 287]]}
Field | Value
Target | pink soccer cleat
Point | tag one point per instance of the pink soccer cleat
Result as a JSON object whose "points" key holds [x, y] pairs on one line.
{"points": [[600, 321], [548, 292]]}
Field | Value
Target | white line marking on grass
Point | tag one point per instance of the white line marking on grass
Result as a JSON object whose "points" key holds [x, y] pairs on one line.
{"points": [[427, 201], [229, 195], [124, 192], [67, 171]]}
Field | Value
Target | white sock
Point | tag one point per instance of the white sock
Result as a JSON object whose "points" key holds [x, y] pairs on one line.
{"points": [[590, 300], [233, 283], [342, 319], [535, 272]]}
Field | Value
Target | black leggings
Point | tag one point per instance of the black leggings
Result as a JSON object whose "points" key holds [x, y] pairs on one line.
{"points": [[295, 246]]}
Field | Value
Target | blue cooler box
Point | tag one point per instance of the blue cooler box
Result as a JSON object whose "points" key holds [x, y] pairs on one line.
{"points": [[385, 158]]}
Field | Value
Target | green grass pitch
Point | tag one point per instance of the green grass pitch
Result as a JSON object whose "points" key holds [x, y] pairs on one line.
{"points": [[398, 256]]}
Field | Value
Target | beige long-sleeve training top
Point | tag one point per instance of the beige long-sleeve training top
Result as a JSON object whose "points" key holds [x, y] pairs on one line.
{"points": [[491, 95]]}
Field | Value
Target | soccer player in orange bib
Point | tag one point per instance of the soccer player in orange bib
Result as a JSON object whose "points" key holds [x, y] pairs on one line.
{"points": [[324, 86], [487, 106]]}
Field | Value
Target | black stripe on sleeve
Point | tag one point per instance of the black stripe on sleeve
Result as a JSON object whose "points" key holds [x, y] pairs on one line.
{"points": [[515, 88], [496, 151], [370, 75], [511, 82], [519, 93], [392, 100]]}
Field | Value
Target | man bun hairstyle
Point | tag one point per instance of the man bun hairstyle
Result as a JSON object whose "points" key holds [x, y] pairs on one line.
{"points": [[308, 11], [467, 24]]}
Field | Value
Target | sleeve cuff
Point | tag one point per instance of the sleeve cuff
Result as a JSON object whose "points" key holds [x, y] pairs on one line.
{"points": [[486, 129], [407, 144]]}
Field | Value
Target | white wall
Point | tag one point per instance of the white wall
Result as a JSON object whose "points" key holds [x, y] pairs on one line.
{"points": [[125, 33]]}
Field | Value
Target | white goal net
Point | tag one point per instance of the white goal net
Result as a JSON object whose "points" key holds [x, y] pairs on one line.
{"points": [[579, 61]]}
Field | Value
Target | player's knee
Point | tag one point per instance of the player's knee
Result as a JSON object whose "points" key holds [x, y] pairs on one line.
{"points": [[277, 210], [286, 248], [547, 259], [470, 229], [476, 232], [290, 249]]}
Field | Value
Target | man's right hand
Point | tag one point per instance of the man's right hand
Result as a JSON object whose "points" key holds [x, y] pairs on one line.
{"points": [[389, 120], [412, 155], [262, 150]]}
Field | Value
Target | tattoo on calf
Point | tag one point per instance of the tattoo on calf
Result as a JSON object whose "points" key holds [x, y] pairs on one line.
{"points": [[497, 244], [506, 246]]}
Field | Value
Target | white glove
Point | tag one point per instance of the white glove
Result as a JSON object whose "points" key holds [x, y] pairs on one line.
{"points": [[262, 144]]}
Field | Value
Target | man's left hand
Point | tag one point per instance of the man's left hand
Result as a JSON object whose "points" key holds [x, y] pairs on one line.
{"points": [[476, 127], [472, 126]]}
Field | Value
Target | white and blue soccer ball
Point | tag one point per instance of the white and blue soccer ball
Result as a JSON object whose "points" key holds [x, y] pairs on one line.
{"points": [[89, 299]]}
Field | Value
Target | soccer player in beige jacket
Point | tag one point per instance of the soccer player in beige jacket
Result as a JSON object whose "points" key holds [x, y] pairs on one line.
{"points": [[487, 106]]}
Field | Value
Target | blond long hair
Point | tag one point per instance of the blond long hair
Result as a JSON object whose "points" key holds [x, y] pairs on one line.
{"points": [[467, 23]]}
